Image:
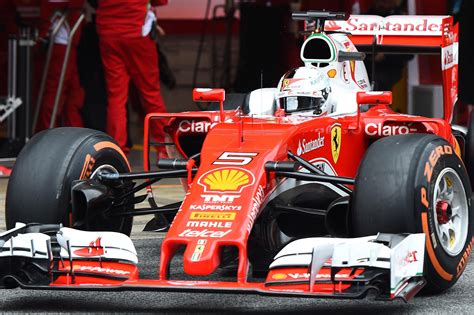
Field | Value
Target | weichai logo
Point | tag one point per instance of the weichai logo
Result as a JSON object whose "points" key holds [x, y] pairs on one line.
{"points": [[226, 180], [307, 275]]}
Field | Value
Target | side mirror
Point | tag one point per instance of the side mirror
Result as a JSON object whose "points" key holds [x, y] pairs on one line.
{"points": [[374, 98], [208, 95], [211, 95], [365, 97]]}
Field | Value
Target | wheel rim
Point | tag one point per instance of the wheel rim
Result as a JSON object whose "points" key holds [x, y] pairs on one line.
{"points": [[450, 211], [117, 223], [104, 168]]}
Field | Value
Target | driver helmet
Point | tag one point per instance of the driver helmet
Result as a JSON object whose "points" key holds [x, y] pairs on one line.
{"points": [[304, 90]]}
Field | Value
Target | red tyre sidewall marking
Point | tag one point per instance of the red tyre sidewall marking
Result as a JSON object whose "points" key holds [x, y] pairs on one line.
{"points": [[110, 145], [429, 247], [428, 169], [90, 161]]}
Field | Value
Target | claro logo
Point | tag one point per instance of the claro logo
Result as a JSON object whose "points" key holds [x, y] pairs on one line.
{"points": [[202, 126], [381, 130]]}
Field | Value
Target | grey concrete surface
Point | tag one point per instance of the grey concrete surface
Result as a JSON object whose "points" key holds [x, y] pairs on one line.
{"points": [[457, 300]]}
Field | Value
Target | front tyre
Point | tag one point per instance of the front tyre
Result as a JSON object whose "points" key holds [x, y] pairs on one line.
{"points": [[417, 184], [39, 189]]}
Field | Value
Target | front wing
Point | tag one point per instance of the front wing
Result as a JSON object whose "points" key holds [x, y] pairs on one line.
{"points": [[37, 256]]}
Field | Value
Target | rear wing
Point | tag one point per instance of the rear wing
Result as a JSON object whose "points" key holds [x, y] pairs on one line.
{"points": [[415, 34]]}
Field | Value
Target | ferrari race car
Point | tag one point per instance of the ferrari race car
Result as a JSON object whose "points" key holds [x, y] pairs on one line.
{"points": [[312, 189]]}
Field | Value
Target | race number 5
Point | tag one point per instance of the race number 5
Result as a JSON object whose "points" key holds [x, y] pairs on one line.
{"points": [[235, 158]]}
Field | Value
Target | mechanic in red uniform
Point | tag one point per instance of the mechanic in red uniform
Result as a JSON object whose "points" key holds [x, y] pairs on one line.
{"points": [[7, 26], [129, 53], [72, 96]]}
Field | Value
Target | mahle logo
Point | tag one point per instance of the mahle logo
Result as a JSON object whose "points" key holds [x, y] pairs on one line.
{"points": [[224, 180]]}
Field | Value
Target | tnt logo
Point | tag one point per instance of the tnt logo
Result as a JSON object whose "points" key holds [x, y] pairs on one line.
{"points": [[219, 198]]}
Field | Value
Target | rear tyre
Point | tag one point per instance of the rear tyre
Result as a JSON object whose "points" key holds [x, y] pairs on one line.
{"points": [[39, 189], [469, 150], [417, 184]]}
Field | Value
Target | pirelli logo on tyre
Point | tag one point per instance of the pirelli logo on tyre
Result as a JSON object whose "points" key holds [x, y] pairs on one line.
{"points": [[87, 168], [219, 216], [434, 157], [226, 180]]}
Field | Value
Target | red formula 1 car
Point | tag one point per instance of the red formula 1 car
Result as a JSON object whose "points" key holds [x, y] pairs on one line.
{"points": [[315, 188]]}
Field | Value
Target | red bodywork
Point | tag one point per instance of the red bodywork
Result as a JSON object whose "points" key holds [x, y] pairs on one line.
{"points": [[266, 139], [230, 208], [231, 186]]}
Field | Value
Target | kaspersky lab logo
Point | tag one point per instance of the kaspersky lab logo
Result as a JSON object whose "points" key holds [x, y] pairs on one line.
{"points": [[226, 180], [305, 146]]}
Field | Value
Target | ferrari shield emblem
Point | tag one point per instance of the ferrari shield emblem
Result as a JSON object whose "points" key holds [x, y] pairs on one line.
{"points": [[335, 142]]}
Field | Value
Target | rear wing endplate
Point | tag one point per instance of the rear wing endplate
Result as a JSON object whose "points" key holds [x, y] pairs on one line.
{"points": [[412, 34]]}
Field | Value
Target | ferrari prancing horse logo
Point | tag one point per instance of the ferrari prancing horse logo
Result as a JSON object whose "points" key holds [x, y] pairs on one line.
{"points": [[335, 141]]}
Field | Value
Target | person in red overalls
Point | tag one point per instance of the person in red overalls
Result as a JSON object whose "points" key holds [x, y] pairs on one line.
{"points": [[8, 26], [129, 53], [72, 96]]}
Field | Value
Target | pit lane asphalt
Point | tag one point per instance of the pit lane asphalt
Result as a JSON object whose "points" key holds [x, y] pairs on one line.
{"points": [[457, 300]]}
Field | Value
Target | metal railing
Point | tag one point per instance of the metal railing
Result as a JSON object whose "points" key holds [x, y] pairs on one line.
{"points": [[62, 21], [39, 100], [11, 102]]}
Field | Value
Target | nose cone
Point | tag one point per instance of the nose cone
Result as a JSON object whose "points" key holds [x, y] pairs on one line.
{"points": [[201, 258]]}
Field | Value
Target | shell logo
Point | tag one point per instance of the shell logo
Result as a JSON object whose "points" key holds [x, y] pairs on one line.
{"points": [[226, 180], [279, 276], [332, 73]]}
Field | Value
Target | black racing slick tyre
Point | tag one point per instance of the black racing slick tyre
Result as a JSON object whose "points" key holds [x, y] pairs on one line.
{"points": [[39, 189], [469, 149], [417, 184]]}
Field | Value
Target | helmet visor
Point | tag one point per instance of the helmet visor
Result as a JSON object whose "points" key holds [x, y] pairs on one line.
{"points": [[293, 104]]}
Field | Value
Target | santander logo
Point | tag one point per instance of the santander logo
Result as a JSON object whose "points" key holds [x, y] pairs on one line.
{"points": [[331, 26], [305, 146], [395, 25]]}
